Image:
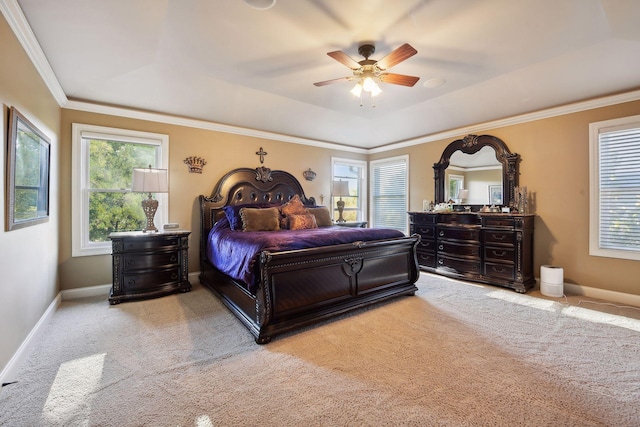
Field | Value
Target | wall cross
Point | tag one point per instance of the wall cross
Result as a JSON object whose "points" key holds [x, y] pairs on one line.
{"points": [[261, 153]]}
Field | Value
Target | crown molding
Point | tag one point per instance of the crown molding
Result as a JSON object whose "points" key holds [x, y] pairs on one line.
{"points": [[20, 26], [22, 30]]}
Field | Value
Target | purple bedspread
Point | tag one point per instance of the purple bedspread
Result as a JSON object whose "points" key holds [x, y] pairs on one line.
{"points": [[235, 253]]}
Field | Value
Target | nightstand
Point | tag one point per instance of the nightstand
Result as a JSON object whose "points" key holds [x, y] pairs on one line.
{"points": [[149, 265], [356, 224]]}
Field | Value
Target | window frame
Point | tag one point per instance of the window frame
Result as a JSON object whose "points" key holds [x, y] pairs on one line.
{"points": [[374, 163], [595, 130], [361, 212], [80, 244]]}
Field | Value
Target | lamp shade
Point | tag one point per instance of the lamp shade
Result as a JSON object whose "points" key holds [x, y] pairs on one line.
{"points": [[150, 180], [340, 188], [463, 194]]}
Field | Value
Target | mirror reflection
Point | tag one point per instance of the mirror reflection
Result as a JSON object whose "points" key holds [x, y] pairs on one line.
{"points": [[474, 179]]}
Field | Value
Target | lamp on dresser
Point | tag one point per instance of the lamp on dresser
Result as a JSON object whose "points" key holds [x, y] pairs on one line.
{"points": [[340, 189], [150, 180]]}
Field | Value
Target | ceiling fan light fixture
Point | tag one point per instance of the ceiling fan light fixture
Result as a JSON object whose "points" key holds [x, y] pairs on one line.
{"points": [[357, 90], [369, 85], [375, 90], [261, 4]]}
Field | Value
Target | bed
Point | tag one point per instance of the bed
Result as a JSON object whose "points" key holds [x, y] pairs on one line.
{"points": [[285, 289]]}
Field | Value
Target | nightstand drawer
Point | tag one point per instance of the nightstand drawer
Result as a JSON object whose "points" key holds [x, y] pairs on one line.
{"points": [[150, 280], [147, 265], [136, 261], [140, 244]]}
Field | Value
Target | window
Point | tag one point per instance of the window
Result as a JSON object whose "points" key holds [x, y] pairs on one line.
{"points": [[615, 188], [103, 162], [456, 183], [389, 193], [354, 172]]}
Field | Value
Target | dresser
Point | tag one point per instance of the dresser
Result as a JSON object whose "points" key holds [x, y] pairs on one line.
{"points": [[490, 248], [147, 265]]}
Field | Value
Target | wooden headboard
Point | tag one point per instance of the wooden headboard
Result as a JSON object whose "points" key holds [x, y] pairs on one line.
{"points": [[247, 186]]}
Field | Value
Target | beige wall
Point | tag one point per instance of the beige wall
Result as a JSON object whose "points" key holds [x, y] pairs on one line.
{"points": [[555, 170], [28, 256], [222, 152]]}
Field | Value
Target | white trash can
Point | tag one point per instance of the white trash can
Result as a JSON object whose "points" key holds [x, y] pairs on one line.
{"points": [[552, 281]]}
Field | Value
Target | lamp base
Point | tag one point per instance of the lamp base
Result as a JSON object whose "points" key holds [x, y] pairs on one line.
{"points": [[150, 206], [340, 204]]}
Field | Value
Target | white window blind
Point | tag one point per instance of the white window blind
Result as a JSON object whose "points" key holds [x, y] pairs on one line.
{"points": [[389, 193], [616, 204]]}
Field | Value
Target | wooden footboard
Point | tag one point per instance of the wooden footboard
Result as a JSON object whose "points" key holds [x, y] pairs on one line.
{"points": [[306, 286]]}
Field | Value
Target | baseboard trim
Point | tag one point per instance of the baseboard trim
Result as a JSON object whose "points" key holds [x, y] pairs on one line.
{"points": [[10, 371], [603, 294]]}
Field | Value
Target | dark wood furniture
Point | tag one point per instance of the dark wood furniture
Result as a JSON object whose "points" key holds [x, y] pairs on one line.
{"points": [[471, 144], [303, 286], [483, 247], [147, 265], [357, 224]]}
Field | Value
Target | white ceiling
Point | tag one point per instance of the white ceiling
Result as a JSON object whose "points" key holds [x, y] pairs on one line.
{"points": [[224, 62]]}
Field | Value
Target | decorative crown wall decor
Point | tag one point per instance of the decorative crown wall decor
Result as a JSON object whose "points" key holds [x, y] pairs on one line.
{"points": [[195, 164], [309, 175]]}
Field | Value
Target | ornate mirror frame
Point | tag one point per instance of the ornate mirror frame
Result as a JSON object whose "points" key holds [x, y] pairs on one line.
{"points": [[471, 144]]}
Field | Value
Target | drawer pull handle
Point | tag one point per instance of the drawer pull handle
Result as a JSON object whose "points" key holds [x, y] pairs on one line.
{"points": [[173, 258], [498, 270], [131, 282], [498, 236], [441, 233], [502, 253], [441, 247], [174, 276], [441, 262], [131, 263]]}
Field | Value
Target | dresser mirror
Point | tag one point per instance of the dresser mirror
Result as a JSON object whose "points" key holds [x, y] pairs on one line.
{"points": [[476, 171]]}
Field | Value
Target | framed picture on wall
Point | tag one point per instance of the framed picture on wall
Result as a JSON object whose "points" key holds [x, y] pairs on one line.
{"points": [[495, 194], [27, 174]]}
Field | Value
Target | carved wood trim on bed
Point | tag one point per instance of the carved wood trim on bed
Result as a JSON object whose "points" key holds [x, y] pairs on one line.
{"points": [[302, 286]]}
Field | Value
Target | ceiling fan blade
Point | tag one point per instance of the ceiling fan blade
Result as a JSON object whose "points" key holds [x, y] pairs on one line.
{"points": [[345, 59], [400, 54], [398, 79], [328, 82]]}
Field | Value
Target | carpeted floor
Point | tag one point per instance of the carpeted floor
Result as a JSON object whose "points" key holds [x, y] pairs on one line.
{"points": [[455, 354]]}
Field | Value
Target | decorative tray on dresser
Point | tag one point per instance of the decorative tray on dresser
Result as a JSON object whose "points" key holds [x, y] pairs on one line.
{"points": [[490, 248], [147, 265]]}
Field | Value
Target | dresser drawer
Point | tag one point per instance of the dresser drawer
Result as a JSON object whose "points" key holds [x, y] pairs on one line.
{"points": [[459, 233], [500, 271], [422, 218], [459, 265], [426, 245], [157, 259], [426, 231], [498, 221], [499, 254], [498, 237], [146, 281], [155, 243], [426, 259], [457, 249]]}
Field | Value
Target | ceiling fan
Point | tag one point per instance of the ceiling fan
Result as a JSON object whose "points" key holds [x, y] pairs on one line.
{"points": [[368, 71]]}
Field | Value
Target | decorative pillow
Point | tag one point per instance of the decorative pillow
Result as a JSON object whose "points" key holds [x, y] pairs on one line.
{"points": [[322, 214], [233, 213], [266, 219], [301, 222], [293, 207]]}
